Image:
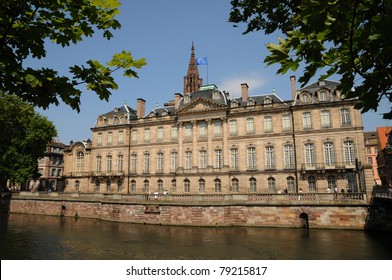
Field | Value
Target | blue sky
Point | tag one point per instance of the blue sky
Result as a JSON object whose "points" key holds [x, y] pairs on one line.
{"points": [[163, 32]]}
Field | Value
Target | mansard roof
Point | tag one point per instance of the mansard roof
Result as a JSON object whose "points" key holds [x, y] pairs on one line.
{"points": [[258, 99], [161, 112], [123, 110], [316, 86], [214, 94]]}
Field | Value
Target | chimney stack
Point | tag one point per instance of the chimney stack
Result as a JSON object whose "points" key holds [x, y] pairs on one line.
{"points": [[177, 98], [141, 106], [244, 92], [293, 87]]}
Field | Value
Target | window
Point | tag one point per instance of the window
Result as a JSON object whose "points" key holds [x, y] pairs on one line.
{"points": [[271, 184], [286, 122], [325, 119], [146, 163], [250, 125], [234, 158], [310, 157], [312, 183], [146, 135], [203, 129], [268, 124], [234, 185], [160, 186], [251, 157], [203, 159], [174, 185], [188, 160], [121, 137], [174, 132], [119, 185], [202, 186], [218, 159], [146, 186], [349, 153], [110, 138], [345, 116], [251, 102], [323, 95], [329, 153], [108, 184], [187, 185], [234, 104], [133, 186], [252, 185], [305, 98], [267, 101], [233, 127], [288, 156], [218, 185], [109, 164], [99, 139], [134, 136], [133, 163], [188, 130], [218, 128], [120, 163], [269, 157], [368, 150], [331, 182], [370, 160], [173, 161], [290, 184], [97, 185], [98, 162], [307, 120], [77, 185], [160, 163], [160, 134], [79, 161]]}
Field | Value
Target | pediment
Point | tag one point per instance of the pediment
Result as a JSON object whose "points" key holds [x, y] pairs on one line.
{"points": [[201, 105]]}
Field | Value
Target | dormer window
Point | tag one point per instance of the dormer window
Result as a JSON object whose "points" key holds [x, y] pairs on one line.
{"points": [[251, 102], [234, 104], [165, 113], [323, 95], [305, 98], [216, 95], [267, 101], [187, 98], [152, 114]]}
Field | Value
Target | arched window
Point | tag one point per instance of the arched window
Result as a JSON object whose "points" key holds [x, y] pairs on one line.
{"points": [[97, 185], [202, 186], [133, 186], [234, 104], [119, 185], [187, 185], [160, 186], [312, 184], [77, 185], [234, 185], [218, 185], [290, 184], [108, 183], [174, 185], [271, 184], [79, 161], [146, 186], [252, 185]]}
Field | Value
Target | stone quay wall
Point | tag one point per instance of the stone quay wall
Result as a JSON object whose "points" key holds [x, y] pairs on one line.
{"points": [[331, 214]]}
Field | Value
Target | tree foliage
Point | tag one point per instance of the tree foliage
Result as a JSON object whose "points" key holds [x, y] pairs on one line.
{"points": [[25, 28], [351, 38], [23, 139]]}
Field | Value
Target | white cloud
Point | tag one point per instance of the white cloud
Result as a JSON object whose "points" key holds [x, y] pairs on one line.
{"points": [[233, 85]]}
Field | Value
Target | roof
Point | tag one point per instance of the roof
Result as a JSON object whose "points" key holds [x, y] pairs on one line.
{"points": [[259, 99], [123, 110], [316, 86]]}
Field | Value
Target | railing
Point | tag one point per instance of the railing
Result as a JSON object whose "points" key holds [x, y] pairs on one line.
{"points": [[324, 166], [382, 192], [290, 198]]}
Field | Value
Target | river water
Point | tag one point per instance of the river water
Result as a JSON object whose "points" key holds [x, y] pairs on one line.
{"points": [[63, 238]]}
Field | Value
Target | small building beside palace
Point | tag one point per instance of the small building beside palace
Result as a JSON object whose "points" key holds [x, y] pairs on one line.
{"points": [[204, 142]]}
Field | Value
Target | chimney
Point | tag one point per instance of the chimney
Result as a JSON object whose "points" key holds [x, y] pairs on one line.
{"points": [[293, 87], [244, 92], [141, 105], [177, 98]]}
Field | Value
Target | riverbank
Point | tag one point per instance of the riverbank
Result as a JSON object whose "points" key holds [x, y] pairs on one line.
{"points": [[346, 211]]}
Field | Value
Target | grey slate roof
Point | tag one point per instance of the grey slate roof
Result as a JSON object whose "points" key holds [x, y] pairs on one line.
{"points": [[123, 110], [316, 86]]}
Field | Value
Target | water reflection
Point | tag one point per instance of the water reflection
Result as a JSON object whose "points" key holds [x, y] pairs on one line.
{"points": [[47, 237]]}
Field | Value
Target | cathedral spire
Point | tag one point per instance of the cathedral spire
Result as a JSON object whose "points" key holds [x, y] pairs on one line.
{"points": [[192, 81]]}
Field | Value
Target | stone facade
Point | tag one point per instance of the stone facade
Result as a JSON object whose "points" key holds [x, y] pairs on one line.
{"points": [[205, 142]]}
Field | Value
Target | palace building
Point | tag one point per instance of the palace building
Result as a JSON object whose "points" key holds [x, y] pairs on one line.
{"points": [[204, 142]]}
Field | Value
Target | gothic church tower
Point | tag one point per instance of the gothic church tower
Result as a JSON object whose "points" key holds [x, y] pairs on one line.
{"points": [[192, 81]]}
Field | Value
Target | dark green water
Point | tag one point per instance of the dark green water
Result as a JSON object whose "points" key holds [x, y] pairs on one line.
{"points": [[46, 238]]}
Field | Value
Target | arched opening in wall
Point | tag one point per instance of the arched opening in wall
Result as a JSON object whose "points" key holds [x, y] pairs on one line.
{"points": [[304, 220]]}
